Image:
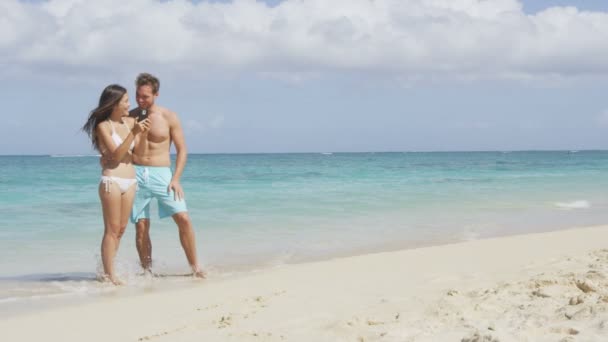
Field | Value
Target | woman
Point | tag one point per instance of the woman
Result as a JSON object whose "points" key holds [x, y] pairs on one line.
{"points": [[113, 134]]}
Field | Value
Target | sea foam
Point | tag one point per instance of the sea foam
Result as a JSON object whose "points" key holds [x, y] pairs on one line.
{"points": [[581, 204]]}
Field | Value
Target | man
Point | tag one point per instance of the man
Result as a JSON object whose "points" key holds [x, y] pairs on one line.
{"points": [[155, 180]]}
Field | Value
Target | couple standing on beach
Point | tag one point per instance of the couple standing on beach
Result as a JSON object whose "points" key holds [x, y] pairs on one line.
{"points": [[136, 168]]}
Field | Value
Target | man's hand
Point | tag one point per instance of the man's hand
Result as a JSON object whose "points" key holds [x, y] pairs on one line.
{"points": [[178, 192], [105, 161]]}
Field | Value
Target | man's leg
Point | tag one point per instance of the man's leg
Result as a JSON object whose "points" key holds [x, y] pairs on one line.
{"points": [[188, 240], [143, 243]]}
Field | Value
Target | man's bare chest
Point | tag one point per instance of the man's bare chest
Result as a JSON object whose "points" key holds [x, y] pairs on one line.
{"points": [[159, 130]]}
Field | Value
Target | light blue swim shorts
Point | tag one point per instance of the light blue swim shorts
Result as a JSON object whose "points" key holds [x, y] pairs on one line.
{"points": [[152, 182]]}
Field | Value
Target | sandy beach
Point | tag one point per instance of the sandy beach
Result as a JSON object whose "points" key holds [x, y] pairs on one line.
{"points": [[538, 287]]}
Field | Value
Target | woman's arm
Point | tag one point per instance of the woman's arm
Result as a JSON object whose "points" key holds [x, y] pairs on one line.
{"points": [[117, 153]]}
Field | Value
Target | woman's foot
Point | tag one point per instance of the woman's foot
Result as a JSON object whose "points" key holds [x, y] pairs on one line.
{"points": [[116, 281], [111, 279], [198, 273]]}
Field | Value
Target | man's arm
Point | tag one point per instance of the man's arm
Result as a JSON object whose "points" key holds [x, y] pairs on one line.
{"points": [[177, 137]]}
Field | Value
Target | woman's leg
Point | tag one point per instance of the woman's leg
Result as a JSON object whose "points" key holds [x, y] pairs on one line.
{"points": [[111, 203], [126, 205]]}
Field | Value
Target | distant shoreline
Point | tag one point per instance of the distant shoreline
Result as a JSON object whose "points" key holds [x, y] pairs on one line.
{"points": [[328, 152]]}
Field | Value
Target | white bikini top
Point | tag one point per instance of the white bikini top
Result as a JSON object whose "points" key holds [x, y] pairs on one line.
{"points": [[117, 139]]}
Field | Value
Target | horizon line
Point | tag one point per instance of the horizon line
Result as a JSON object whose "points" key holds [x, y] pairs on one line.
{"points": [[321, 152]]}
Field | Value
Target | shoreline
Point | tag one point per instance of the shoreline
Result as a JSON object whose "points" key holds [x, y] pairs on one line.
{"points": [[55, 299], [438, 292]]}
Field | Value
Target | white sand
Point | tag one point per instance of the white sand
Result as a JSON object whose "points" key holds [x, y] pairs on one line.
{"points": [[540, 287]]}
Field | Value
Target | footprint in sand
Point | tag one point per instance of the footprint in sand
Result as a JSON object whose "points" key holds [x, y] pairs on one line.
{"points": [[215, 306], [477, 337], [262, 301], [265, 334], [595, 275], [577, 300], [586, 286], [452, 293], [374, 322], [567, 331], [540, 293], [583, 313], [224, 322]]}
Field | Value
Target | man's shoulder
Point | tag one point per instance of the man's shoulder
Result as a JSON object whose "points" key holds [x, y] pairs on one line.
{"points": [[168, 114]]}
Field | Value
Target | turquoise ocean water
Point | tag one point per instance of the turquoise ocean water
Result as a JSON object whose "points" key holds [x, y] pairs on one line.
{"points": [[252, 211]]}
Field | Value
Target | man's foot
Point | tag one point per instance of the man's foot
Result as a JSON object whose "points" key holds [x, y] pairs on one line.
{"points": [[147, 273]]}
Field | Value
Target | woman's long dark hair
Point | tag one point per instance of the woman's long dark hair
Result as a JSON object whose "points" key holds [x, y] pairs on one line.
{"points": [[107, 101]]}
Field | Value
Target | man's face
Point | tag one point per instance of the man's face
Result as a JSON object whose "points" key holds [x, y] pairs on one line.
{"points": [[145, 96]]}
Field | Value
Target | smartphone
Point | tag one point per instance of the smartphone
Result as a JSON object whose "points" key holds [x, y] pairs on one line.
{"points": [[139, 114]]}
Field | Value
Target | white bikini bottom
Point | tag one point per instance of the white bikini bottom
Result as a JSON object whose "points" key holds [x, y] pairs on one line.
{"points": [[123, 183]]}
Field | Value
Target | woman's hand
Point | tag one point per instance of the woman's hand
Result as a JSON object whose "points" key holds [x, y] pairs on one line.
{"points": [[141, 126]]}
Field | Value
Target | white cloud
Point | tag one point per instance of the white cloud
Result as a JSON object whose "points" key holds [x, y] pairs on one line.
{"points": [[192, 126], [292, 78], [217, 122], [411, 38]]}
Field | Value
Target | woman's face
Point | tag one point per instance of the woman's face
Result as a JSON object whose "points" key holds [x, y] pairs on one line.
{"points": [[123, 105]]}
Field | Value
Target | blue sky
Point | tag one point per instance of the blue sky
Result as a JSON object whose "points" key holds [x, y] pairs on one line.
{"points": [[300, 76], [533, 6]]}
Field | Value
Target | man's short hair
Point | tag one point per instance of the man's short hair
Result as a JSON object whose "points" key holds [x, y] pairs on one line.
{"points": [[148, 79]]}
